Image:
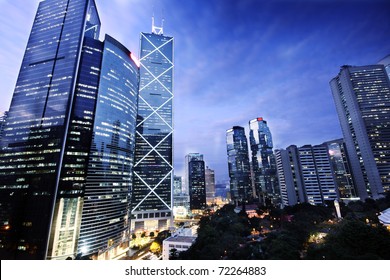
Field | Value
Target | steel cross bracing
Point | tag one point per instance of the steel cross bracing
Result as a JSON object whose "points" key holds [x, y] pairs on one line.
{"points": [[154, 112], [152, 191]]}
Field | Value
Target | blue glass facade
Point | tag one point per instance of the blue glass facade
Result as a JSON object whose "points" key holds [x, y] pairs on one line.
{"points": [[341, 169], [153, 170], [196, 182], [35, 132], [263, 161], [238, 164], [105, 217], [67, 212], [68, 147]]}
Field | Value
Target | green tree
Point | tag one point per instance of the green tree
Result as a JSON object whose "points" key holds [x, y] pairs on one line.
{"points": [[353, 239]]}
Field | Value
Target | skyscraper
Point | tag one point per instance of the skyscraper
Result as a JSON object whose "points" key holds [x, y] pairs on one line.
{"points": [[106, 210], [263, 160], [362, 98], [153, 170], [181, 204], [37, 126], [305, 175], [210, 185], [341, 169], [68, 143], [289, 176], [196, 181], [177, 185], [238, 164]]}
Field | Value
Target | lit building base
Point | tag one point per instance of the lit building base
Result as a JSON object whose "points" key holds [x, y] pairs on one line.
{"points": [[113, 253], [148, 222]]}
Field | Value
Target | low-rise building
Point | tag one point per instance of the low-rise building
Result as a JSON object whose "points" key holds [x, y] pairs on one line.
{"points": [[384, 218], [180, 243]]}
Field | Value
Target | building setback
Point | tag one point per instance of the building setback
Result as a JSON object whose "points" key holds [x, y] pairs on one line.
{"points": [[71, 119], [362, 98], [152, 199]]}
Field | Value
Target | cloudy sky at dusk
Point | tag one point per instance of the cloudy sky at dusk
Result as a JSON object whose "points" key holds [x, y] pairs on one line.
{"points": [[235, 60]]}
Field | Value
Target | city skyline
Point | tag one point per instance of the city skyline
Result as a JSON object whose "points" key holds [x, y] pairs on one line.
{"points": [[235, 61]]}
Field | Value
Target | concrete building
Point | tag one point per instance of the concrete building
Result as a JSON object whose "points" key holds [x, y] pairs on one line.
{"points": [[362, 99]]}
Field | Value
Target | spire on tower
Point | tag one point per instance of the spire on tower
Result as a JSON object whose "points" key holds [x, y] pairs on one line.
{"points": [[159, 30]]}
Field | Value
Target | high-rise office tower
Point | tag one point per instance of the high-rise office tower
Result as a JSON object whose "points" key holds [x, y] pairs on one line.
{"points": [[317, 174], [181, 204], [341, 169], [196, 181], [177, 185], [105, 216], [153, 169], [210, 185], [185, 178], [305, 175], [36, 129], [362, 98], [71, 123], [238, 164], [289, 176], [263, 161]]}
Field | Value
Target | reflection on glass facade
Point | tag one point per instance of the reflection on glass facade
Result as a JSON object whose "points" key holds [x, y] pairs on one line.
{"points": [[362, 98], [153, 169], [196, 181], [177, 185], [238, 164], [105, 216], [341, 169], [210, 185], [68, 147], [67, 211], [263, 161], [37, 126]]}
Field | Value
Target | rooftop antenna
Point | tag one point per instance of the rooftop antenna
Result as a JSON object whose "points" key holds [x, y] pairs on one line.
{"points": [[159, 30]]}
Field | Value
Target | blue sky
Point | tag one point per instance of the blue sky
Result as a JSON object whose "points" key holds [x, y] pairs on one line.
{"points": [[235, 60]]}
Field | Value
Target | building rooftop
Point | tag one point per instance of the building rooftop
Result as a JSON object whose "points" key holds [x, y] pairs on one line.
{"points": [[384, 218], [183, 239]]}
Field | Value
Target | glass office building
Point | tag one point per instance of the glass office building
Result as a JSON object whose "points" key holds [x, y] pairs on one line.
{"points": [[341, 169], [153, 169], [362, 98], [105, 218], [36, 129], [238, 164], [68, 143], [263, 161], [210, 185], [196, 181]]}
